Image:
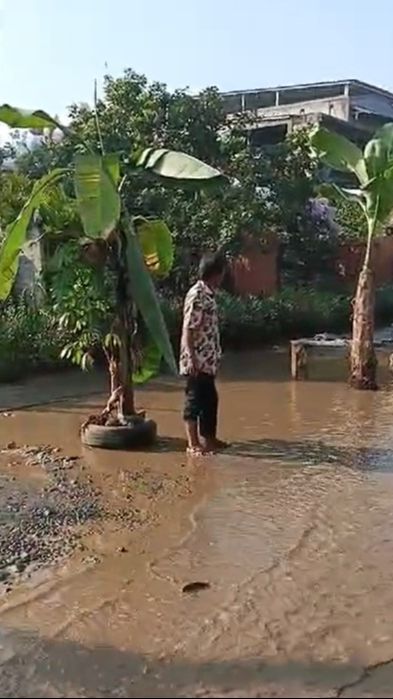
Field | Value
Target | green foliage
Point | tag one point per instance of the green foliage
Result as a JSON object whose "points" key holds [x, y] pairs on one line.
{"points": [[288, 314], [84, 300], [348, 215], [15, 236], [308, 240], [293, 170], [151, 363], [248, 322], [273, 186], [134, 114], [338, 153], [373, 169], [14, 190], [157, 246], [58, 213], [26, 119], [30, 339], [98, 201], [178, 168], [145, 298], [97, 197]]}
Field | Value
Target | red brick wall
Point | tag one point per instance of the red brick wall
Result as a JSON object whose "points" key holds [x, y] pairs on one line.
{"points": [[255, 271], [351, 257]]}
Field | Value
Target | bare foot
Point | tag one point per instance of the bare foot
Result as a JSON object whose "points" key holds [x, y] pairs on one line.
{"points": [[195, 450]]}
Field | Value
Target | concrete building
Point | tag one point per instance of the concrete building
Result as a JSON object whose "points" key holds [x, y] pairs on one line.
{"points": [[351, 107]]}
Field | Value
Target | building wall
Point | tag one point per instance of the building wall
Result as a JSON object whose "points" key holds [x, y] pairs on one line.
{"points": [[334, 106], [352, 254], [256, 271]]}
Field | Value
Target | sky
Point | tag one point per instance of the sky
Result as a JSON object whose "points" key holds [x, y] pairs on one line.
{"points": [[51, 52]]}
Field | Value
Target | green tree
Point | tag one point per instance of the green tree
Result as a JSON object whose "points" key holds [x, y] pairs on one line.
{"points": [[373, 171], [113, 240], [273, 185], [308, 241], [132, 110], [14, 188]]}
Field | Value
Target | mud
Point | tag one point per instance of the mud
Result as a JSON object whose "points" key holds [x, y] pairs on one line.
{"points": [[265, 571]]}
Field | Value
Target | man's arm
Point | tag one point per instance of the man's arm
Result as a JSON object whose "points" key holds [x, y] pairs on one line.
{"points": [[190, 346], [192, 323]]}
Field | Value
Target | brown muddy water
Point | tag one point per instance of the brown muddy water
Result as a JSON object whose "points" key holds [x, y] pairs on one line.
{"points": [[289, 535]]}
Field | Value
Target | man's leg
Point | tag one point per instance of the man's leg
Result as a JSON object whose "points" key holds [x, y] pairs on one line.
{"points": [[208, 413], [208, 416], [191, 414]]}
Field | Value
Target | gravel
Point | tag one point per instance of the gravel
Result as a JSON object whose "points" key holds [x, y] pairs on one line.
{"points": [[42, 522]]}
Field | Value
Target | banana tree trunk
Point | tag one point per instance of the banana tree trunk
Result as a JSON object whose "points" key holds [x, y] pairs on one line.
{"points": [[363, 359], [114, 372], [127, 402], [124, 363]]}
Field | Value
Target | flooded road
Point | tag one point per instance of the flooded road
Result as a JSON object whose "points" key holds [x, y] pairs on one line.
{"points": [[291, 532]]}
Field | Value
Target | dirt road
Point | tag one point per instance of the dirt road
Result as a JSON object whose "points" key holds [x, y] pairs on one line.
{"points": [[289, 535]]}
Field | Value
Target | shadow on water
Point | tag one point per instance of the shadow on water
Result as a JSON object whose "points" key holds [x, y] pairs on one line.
{"points": [[104, 671], [316, 453]]}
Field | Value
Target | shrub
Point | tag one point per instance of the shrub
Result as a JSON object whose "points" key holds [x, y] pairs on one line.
{"points": [[291, 313], [248, 322], [29, 339]]}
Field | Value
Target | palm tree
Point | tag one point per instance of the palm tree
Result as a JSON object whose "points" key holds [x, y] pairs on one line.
{"points": [[373, 170]]}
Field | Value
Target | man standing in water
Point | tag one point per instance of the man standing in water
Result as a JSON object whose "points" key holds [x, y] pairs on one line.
{"points": [[200, 353]]}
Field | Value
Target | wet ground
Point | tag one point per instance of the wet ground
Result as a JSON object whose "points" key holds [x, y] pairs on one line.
{"points": [[289, 535]]}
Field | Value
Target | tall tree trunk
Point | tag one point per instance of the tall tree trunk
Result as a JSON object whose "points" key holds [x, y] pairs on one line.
{"points": [[127, 403], [363, 358], [124, 320]]}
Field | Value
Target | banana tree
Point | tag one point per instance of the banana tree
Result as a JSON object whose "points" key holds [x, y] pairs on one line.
{"points": [[373, 170], [136, 249]]}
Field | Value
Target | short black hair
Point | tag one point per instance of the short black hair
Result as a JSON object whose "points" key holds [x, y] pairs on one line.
{"points": [[211, 265]]}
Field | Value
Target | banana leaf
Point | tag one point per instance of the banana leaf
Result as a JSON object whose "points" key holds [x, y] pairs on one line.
{"points": [[156, 242], [178, 168], [16, 232], [97, 197], [146, 300], [339, 153], [111, 163], [17, 118], [150, 365]]}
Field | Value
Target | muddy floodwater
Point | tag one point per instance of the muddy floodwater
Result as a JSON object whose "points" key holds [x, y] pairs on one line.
{"points": [[266, 571]]}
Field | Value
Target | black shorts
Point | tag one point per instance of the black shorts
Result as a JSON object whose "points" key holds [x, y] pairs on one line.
{"points": [[201, 403]]}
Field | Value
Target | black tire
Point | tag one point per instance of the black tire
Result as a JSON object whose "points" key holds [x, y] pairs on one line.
{"points": [[140, 435]]}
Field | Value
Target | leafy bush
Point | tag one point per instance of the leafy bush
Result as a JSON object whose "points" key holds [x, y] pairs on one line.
{"points": [[291, 313], [83, 298], [250, 321], [29, 339]]}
